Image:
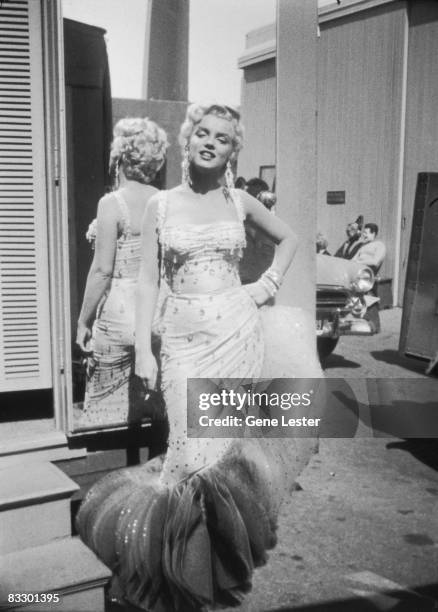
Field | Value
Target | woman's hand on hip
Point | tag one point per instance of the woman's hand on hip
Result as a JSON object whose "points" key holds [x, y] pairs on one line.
{"points": [[83, 337], [146, 368], [258, 292]]}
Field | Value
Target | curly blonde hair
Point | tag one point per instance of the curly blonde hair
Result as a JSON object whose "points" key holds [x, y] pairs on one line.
{"points": [[139, 147], [195, 113]]}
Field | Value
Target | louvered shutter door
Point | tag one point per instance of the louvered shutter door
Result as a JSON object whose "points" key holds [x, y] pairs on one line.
{"points": [[25, 356]]}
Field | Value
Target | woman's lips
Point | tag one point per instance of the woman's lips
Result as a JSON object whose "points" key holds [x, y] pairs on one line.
{"points": [[207, 155]]}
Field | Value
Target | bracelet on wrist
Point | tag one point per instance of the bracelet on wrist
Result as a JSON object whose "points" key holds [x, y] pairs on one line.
{"points": [[270, 288], [271, 281], [274, 276]]}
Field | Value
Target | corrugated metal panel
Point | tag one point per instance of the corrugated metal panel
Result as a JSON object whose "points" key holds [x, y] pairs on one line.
{"points": [[24, 312], [360, 81], [259, 118], [421, 110], [359, 119]]}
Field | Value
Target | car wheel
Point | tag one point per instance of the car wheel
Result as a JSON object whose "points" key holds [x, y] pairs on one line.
{"points": [[325, 347]]}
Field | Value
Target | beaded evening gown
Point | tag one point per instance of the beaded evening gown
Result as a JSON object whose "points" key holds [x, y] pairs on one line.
{"points": [[107, 395], [187, 535]]}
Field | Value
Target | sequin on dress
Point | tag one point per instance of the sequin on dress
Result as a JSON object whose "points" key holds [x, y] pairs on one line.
{"points": [[188, 534], [110, 366]]}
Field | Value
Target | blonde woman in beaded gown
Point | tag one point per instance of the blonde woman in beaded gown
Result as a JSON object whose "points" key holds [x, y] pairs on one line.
{"points": [[187, 535], [105, 328]]}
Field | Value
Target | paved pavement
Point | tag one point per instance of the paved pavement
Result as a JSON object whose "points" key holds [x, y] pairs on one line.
{"points": [[362, 534], [374, 356]]}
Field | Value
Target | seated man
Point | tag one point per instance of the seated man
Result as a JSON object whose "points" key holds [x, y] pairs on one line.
{"points": [[371, 252], [354, 239]]}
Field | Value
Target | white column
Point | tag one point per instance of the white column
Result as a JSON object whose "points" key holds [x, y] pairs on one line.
{"points": [[297, 22]]}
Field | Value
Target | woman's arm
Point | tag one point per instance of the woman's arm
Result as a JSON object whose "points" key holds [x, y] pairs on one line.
{"points": [[285, 239], [147, 294], [99, 276]]}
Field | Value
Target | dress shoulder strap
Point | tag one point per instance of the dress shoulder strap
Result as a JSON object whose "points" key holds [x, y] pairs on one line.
{"points": [[161, 211], [125, 213], [161, 219], [236, 197]]}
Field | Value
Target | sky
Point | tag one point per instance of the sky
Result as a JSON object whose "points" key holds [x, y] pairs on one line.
{"points": [[217, 39]]}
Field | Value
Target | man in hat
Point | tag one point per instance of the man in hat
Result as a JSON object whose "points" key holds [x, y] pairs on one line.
{"points": [[349, 248]]}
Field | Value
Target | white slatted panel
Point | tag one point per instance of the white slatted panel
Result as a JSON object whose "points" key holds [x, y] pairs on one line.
{"points": [[24, 314]]}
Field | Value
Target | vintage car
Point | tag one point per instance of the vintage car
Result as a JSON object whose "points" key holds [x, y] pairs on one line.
{"points": [[341, 301]]}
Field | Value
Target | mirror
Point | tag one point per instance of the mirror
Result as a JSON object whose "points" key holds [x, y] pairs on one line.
{"points": [[176, 51]]}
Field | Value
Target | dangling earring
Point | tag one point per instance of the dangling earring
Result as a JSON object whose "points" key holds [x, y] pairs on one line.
{"points": [[116, 176], [185, 166], [229, 176]]}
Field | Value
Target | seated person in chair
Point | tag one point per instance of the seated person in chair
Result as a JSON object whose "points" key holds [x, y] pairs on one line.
{"points": [[371, 252], [348, 249]]}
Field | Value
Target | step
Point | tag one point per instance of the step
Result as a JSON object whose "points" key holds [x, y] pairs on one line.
{"points": [[85, 471], [25, 436], [64, 567], [34, 505], [35, 440], [52, 455]]}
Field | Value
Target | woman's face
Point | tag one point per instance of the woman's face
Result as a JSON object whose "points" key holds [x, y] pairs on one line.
{"points": [[211, 143]]}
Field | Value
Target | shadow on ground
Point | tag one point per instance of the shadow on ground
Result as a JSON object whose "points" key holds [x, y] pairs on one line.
{"points": [[393, 357], [421, 599], [338, 361], [425, 450]]}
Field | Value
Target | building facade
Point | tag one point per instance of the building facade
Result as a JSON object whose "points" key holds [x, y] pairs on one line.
{"points": [[376, 126]]}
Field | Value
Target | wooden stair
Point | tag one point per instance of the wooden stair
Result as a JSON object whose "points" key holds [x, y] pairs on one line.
{"points": [[37, 552]]}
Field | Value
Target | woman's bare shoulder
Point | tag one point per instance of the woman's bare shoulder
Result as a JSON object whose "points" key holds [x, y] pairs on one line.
{"points": [[249, 202], [153, 201], [151, 192], [171, 196], [152, 206], [108, 206], [245, 196], [173, 193]]}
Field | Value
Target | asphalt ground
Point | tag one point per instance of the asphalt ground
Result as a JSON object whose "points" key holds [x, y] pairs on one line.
{"points": [[374, 356], [362, 533]]}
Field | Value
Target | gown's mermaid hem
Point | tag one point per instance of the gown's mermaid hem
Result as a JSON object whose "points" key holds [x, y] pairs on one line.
{"points": [[191, 545], [189, 535]]}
